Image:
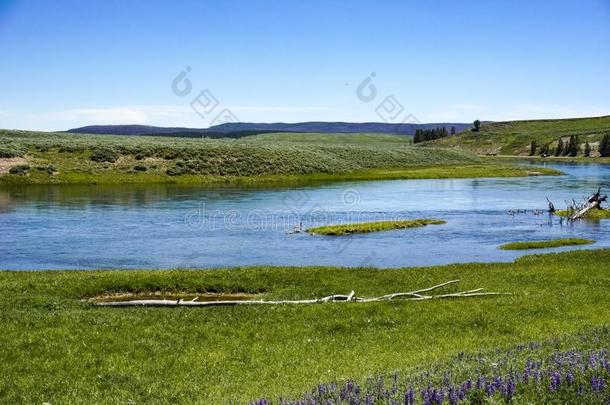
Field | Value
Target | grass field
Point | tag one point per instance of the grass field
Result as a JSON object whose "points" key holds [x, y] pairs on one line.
{"points": [[546, 244], [367, 227], [58, 348], [514, 137], [325, 138], [53, 158]]}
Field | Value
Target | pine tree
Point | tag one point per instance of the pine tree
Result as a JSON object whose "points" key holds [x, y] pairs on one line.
{"points": [[573, 147], [533, 147], [559, 148], [604, 146], [417, 136], [566, 148], [477, 126], [587, 149]]}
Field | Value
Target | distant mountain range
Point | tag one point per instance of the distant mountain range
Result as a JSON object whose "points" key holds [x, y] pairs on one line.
{"points": [[239, 129]]}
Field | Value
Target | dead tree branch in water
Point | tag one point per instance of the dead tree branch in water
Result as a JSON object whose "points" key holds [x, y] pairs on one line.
{"points": [[578, 210], [595, 201]]}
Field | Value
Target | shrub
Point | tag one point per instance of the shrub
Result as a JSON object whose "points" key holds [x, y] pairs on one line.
{"points": [[104, 155], [9, 151], [70, 149], [140, 168], [50, 169], [19, 169], [174, 171]]}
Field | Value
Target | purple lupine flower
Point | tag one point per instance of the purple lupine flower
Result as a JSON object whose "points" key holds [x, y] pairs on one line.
{"points": [[410, 397], [508, 389], [555, 381], [446, 379], [480, 382], [453, 396], [526, 375], [425, 396], [490, 389], [438, 396], [570, 378], [462, 392], [598, 384], [497, 382]]}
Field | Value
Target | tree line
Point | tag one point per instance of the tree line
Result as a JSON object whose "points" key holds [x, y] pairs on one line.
{"points": [[422, 135], [570, 148]]}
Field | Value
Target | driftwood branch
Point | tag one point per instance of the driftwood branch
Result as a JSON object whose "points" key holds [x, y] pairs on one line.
{"points": [[416, 295], [579, 210], [595, 201]]}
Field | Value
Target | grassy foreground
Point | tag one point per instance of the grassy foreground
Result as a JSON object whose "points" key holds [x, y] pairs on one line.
{"points": [[56, 158], [367, 227], [546, 244], [568, 369], [57, 348]]}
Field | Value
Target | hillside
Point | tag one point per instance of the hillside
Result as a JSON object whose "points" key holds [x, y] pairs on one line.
{"points": [[326, 138], [39, 157], [514, 137], [241, 129]]}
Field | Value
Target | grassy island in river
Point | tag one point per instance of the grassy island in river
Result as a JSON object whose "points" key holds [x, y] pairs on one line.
{"points": [[546, 244], [367, 227]]}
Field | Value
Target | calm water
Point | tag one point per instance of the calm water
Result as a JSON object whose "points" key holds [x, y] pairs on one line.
{"points": [[90, 227]]}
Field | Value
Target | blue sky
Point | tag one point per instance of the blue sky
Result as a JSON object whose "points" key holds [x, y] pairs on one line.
{"points": [[70, 63]]}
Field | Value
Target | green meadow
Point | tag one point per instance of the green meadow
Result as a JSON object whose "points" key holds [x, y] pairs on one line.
{"points": [[57, 347], [59, 158], [514, 137]]}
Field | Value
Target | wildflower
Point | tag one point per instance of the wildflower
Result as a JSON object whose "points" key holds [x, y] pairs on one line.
{"points": [[508, 390], [410, 397], [598, 384], [555, 381]]}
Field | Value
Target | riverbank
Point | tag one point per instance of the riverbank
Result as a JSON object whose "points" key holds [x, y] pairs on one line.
{"points": [[59, 348], [41, 177], [55, 158]]}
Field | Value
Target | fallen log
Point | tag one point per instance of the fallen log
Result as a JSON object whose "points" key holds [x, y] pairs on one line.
{"points": [[416, 295]]}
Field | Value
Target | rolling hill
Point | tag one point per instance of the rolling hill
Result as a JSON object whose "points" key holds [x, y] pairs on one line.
{"points": [[514, 137], [241, 129]]}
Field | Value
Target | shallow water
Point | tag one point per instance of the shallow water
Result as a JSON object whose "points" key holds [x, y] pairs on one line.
{"points": [[165, 226]]}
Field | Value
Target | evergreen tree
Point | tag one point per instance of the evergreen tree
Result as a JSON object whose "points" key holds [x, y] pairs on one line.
{"points": [[559, 148], [477, 125], [587, 149], [417, 136], [604, 146], [566, 148], [533, 147], [452, 130], [573, 146]]}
